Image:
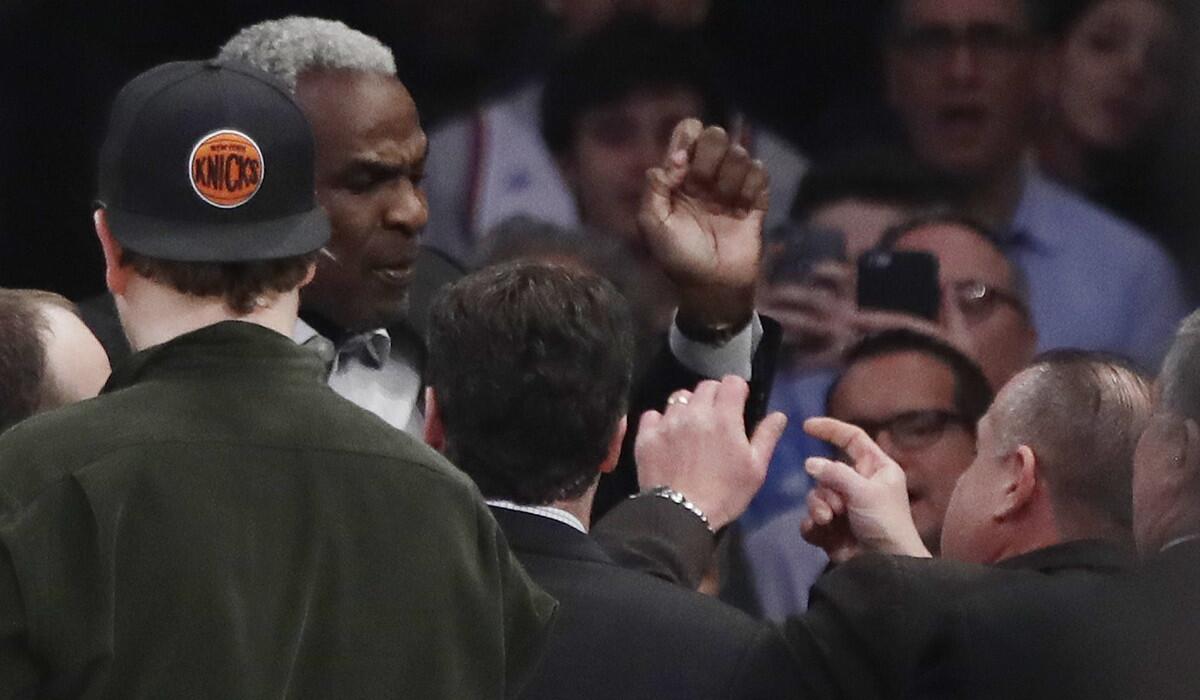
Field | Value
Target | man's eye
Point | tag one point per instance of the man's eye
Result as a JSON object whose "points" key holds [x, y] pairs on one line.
{"points": [[359, 184]]}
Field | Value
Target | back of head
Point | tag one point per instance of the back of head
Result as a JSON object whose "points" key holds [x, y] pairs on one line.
{"points": [[1082, 414], [530, 364], [206, 181], [1179, 380], [22, 356], [627, 56], [288, 47], [27, 384]]}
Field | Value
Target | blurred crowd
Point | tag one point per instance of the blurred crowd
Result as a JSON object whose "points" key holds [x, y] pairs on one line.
{"points": [[600, 348]]}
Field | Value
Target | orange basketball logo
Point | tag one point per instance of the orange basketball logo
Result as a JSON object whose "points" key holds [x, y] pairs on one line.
{"points": [[226, 168]]}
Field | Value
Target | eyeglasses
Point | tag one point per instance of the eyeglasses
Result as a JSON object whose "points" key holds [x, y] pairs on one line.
{"points": [[914, 430], [985, 41], [978, 300]]}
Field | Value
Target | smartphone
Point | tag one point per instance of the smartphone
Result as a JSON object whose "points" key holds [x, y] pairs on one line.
{"points": [[800, 248], [905, 281]]}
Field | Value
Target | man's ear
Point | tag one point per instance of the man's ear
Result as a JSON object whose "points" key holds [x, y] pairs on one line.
{"points": [[435, 430], [1021, 469], [614, 446], [308, 276], [116, 275]]}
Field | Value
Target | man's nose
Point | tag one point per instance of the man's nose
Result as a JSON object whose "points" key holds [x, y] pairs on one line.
{"points": [[407, 209], [963, 64], [1135, 65]]}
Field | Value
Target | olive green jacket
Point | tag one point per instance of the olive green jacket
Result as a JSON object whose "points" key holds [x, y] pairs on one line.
{"points": [[220, 524]]}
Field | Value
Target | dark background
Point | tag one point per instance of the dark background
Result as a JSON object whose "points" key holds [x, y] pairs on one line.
{"points": [[808, 68]]}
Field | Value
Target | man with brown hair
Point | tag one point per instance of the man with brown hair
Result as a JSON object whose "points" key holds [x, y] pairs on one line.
{"points": [[220, 523], [48, 358]]}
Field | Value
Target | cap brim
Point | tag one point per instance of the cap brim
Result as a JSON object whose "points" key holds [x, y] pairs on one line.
{"points": [[234, 242]]}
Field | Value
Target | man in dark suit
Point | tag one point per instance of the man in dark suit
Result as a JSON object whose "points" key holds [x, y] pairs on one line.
{"points": [[529, 377], [1040, 519], [1159, 605]]}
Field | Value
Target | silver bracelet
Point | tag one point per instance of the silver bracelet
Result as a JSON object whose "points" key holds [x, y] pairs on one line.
{"points": [[678, 499]]}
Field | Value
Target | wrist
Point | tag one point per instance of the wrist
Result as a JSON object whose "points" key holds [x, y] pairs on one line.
{"points": [[712, 314], [669, 494], [908, 546]]}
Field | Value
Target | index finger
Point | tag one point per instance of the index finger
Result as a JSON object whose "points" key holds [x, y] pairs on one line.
{"points": [[851, 439]]}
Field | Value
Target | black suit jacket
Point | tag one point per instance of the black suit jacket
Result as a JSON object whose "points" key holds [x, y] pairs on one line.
{"points": [[886, 627], [1029, 630], [625, 635], [1151, 626]]}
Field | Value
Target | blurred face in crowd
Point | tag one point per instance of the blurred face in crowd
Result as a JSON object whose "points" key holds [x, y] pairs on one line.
{"points": [[1117, 68], [76, 364], [978, 297], [613, 146], [961, 76], [905, 401], [862, 221], [370, 160], [580, 17]]}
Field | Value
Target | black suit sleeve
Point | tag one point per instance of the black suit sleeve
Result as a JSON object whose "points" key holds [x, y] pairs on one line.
{"points": [[657, 537], [665, 376]]}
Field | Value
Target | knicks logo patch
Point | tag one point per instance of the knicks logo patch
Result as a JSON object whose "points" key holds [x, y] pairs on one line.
{"points": [[226, 168]]}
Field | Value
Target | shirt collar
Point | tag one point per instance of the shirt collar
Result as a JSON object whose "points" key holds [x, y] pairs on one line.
{"points": [[551, 512]]}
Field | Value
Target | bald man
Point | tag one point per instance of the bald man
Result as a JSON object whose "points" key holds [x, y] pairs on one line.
{"points": [[48, 357]]}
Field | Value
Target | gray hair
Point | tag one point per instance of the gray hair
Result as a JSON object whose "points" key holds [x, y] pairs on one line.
{"points": [[1179, 381], [288, 47]]}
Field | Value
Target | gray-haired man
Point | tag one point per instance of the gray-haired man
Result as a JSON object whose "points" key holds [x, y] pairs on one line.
{"points": [[370, 156]]}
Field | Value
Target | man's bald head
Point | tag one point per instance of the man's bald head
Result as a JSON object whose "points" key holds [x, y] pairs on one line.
{"points": [[48, 357], [1053, 461], [1082, 414]]}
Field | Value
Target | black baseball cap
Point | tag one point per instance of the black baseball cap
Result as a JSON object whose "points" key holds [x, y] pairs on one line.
{"points": [[210, 161]]}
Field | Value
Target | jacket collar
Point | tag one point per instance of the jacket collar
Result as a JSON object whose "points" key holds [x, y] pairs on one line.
{"points": [[529, 533], [1077, 554], [228, 348]]}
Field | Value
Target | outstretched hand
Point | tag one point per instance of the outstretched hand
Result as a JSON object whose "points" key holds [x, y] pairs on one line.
{"points": [[698, 447], [860, 507], [702, 217]]}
